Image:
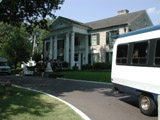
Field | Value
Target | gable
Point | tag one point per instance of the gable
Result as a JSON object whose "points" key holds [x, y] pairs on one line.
{"points": [[60, 23]]}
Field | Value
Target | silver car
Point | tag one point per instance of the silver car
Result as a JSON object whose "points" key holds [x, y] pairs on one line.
{"points": [[4, 68]]}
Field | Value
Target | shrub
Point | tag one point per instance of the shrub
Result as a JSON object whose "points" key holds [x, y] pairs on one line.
{"points": [[40, 67], [74, 68], [65, 65], [109, 65], [86, 67], [16, 71], [102, 65], [37, 57]]}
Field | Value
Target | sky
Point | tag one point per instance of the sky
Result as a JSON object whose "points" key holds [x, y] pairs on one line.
{"points": [[91, 10]]}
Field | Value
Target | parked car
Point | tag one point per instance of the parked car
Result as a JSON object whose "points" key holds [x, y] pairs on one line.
{"points": [[4, 68]]}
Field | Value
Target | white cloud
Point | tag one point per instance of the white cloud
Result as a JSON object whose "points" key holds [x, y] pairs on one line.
{"points": [[153, 10]]}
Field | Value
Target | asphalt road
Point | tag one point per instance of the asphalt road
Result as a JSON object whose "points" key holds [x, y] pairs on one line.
{"points": [[97, 101]]}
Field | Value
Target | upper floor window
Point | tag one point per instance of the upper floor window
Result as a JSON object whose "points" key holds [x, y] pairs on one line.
{"points": [[140, 53], [145, 22], [95, 39], [122, 54], [110, 36], [157, 54]]}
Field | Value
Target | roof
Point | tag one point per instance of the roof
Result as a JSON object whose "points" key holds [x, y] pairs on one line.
{"points": [[74, 22], [114, 21], [144, 30]]}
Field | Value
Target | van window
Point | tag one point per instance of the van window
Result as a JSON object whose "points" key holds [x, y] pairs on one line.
{"points": [[122, 54], [3, 64], [140, 52], [157, 55]]}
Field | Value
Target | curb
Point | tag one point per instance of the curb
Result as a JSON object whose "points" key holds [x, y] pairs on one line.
{"points": [[85, 117]]}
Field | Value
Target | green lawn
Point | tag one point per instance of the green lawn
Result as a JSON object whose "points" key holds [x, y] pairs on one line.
{"points": [[29, 105], [89, 76]]}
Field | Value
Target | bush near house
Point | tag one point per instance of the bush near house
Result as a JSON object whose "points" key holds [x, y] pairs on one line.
{"points": [[86, 67], [16, 71], [97, 66]]}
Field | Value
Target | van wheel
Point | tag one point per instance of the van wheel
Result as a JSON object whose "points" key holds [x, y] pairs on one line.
{"points": [[147, 105]]}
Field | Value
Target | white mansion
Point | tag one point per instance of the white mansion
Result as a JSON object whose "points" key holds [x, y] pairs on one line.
{"points": [[91, 42]]}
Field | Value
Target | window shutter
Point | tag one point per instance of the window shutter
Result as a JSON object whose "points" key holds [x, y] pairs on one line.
{"points": [[89, 40], [98, 39], [107, 37], [107, 57]]}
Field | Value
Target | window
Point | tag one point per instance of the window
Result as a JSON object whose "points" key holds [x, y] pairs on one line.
{"points": [[122, 54], [96, 58], [77, 41], [3, 64], [157, 55], [113, 34], [145, 22], [140, 53], [60, 44], [110, 37], [47, 46], [95, 39]]}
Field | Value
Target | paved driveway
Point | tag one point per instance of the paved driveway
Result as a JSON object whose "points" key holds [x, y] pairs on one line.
{"points": [[97, 101]]}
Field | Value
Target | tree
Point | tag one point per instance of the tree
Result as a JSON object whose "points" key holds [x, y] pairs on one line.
{"points": [[38, 35], [16, 46], [16, 12]]}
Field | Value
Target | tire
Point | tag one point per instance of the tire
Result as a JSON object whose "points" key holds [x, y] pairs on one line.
{"points": [[147, 105]]}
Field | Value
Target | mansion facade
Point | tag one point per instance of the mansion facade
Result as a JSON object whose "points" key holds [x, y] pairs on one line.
{"points": [[88, 43]]}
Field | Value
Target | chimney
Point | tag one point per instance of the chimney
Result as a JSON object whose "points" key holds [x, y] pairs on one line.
{"points": [[122, 12]]}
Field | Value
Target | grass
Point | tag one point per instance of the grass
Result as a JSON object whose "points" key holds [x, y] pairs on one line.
{"points": [[89, 76], [28, 105]]}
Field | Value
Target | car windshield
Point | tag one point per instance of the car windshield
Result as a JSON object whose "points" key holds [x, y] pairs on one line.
{"points": [[3, 64]]}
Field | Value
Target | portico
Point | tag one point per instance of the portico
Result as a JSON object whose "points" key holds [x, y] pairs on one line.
{"points": [[68, 42]]}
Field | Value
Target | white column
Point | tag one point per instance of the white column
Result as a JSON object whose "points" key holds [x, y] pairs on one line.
{"points": [[72, 49], [66, 50], [44, 50], [86, 49], [79, 61], [158, 107], [55, 47], [51, 48]]}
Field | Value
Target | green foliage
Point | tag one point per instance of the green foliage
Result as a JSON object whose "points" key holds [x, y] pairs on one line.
{"points": [[30, 12], [86, 67], [102, 65], [74, 68], [65, 65], [87, 75], [16, 71], [36, 57], [38, 35], [15, 46], [40, 67], [97, 66], [29, 105]]}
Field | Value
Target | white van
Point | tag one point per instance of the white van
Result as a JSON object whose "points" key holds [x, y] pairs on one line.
{"points": [[4, 68], [136, 66]]}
